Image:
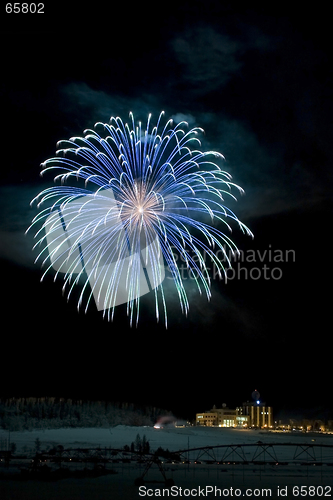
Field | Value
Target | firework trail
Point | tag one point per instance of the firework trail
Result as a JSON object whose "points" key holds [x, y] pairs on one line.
{"points": [[128, 200]]}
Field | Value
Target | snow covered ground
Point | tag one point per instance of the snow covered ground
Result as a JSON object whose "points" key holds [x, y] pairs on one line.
{"points": [[172, 438], [261, 481]]}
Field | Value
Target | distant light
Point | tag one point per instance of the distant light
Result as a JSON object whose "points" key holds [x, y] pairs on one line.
{"points": [[258, 402]]}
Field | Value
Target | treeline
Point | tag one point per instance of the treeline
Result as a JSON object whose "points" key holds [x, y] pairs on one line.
{"points": [[53, 413]]}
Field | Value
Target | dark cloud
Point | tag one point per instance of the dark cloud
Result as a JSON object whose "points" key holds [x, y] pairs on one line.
{"points": [[208, 59], [260, 91], [16, 247], [16, 217], [88, 105]]}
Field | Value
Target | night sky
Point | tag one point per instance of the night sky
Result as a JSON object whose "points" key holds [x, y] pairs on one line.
{"points": [[259, 81]]}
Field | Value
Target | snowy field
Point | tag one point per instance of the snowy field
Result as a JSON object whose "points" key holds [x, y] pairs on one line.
{"points": [[261, 481], [172, 438]]}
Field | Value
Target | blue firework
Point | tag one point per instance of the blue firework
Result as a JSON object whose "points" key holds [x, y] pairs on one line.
{"points": [[127, 202]]}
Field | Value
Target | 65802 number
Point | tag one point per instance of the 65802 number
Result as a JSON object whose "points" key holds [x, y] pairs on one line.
{"points": [[24, 8], [312, 491]]}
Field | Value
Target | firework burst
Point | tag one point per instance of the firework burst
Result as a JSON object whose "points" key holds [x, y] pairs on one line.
{"points": [[127, 201]]}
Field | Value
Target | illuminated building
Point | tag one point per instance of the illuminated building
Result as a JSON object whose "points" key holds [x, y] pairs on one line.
{"points": [[259, 415], [226, 417], [250, 414], [208, 418], [221, 417]]}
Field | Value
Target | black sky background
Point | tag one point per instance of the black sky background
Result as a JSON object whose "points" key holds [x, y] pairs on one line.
{"points": [[259, 81]]}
